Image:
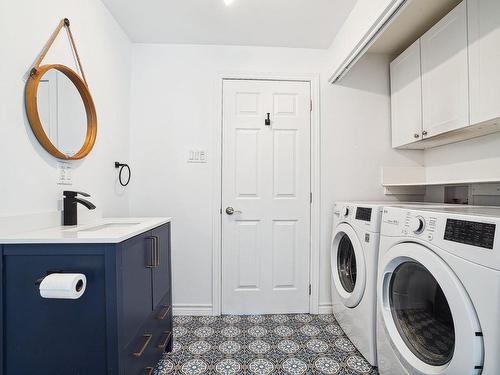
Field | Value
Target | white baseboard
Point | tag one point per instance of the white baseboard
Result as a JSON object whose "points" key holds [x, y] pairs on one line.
{"points": [[196, 310], [207, 310], [325, 308]]}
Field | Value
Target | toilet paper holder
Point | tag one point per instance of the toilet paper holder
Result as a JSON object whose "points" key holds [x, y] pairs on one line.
{"points": [[79, 285], [62, 285]]}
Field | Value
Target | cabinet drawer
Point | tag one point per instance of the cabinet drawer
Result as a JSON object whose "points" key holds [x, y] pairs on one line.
{"points": [[162, 317], [147, 348], [145, 351], [140, 355]]}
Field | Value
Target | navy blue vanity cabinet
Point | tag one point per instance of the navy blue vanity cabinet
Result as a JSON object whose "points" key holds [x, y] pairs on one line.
{"points": [[120, 326], [161, 273]]}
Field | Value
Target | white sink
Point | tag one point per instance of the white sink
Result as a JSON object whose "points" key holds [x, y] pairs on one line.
{"points": [[107, 226]]}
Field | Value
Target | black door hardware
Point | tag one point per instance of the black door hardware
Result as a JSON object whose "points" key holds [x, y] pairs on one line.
{"points": [[120, 178], [268, 120]]}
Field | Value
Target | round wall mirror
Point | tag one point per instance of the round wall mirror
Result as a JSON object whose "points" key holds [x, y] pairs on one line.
{"points": [[61, 111]]}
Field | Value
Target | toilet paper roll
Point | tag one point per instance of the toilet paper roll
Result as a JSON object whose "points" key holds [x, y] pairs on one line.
{"points": [[63, 285]]}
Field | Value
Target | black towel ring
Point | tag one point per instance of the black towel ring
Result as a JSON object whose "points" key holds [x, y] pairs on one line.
{"points": [[122, 166]]}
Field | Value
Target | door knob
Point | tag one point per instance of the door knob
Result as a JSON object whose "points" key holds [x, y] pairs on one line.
{"points": [[230, 211]]}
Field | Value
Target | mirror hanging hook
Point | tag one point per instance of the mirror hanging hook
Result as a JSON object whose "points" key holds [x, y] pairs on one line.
{"points": [[66, 24]]}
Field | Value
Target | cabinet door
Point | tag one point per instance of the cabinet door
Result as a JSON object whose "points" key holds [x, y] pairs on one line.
{"points": [[406, 97], [136, 284], [445, 85], [162, 273], [484, 59], [53, 336]]}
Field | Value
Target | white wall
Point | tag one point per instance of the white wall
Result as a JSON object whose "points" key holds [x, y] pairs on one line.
{"points": [[173, 109], [28, 179], [356, 143]]}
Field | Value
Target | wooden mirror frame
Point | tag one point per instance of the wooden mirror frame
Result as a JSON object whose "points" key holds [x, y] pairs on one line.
{"points": [[34, 118]]}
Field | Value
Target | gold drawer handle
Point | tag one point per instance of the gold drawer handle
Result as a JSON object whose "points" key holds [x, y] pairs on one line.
{"points": [[152, 252], [164, 313], [148, 337], [167, 339], [148, 371], [158, 242]]}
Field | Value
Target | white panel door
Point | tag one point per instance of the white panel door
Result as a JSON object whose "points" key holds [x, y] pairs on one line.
{"points": [[445, 78], [484, 58], [406, 97], [266, 180]]}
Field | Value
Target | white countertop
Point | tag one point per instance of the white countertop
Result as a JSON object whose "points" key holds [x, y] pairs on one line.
{"points": [[107, 230]]}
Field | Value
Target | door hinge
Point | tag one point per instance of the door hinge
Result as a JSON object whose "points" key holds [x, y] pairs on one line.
{"points": [[311, 108], [220, 211], [310, 197], [310, 289]]}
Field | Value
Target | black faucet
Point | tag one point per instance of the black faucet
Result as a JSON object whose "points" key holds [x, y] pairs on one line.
{"points": [[69, 203]]}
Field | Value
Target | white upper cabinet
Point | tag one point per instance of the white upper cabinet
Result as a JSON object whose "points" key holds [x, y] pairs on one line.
{"points": [[484, 59], [445, 78], [406, 97], [458, 62]]}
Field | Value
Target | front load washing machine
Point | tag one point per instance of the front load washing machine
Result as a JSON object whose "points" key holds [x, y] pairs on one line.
{"points": [[354, 254], [354, 263], [438, 291]]}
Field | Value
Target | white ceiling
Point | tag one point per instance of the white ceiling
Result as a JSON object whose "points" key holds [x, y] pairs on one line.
{"points": [[280, 23]]}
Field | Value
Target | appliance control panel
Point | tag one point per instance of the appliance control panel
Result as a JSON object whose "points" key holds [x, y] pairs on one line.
{"points": [[469, 236], [364, 213], [470, 233], [363, 216], [408, 223], [419, 225]]}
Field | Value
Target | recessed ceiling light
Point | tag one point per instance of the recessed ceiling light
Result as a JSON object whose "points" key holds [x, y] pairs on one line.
{"points": [[228, 2]]}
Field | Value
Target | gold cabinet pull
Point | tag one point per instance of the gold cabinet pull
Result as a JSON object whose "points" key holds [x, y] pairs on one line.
{"points": [[148, 371], [164, 313], [164, 343], [147, 339], [157, 250], [152, 251]]}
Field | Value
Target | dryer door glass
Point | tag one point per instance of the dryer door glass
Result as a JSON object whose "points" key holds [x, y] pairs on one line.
{"points": [[422, 314], [346, 263]]}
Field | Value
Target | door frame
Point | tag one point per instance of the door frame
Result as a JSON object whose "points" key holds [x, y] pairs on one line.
{"points": [[315, 181]]}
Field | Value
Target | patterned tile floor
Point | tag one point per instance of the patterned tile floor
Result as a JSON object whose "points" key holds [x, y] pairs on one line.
{"points": [[261, 344]]}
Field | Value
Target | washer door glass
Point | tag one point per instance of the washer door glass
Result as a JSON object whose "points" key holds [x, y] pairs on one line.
{"points": [[422, 314], [347, 266], [346, 263]]}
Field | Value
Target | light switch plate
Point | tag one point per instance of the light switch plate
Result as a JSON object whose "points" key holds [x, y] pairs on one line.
{"points": [[197, 156], [64, 173]]}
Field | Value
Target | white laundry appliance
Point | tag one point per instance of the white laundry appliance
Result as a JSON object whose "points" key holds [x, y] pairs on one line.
{"points": [[438, 291], [354, 254], [354, 263]]}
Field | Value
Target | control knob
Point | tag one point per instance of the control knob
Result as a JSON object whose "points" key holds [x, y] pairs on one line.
{"points": [[417, 225], [345, 211]]}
